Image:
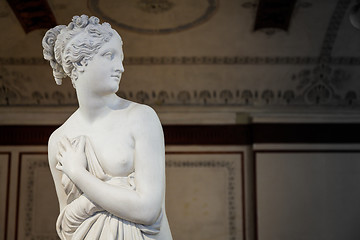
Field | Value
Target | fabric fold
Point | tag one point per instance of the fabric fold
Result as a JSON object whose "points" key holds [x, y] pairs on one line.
{"points": [[83, 219]]}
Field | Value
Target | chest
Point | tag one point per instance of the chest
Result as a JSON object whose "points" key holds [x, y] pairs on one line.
{"points": [[113, 146], [115, 152]]}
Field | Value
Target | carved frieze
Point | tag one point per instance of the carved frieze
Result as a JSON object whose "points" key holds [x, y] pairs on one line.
{"points": [[154, 16]]}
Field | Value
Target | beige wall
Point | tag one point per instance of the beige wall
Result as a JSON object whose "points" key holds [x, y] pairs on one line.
{"points": [[307, 191]]}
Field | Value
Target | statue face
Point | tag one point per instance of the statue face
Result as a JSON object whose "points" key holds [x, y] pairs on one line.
{"points": [[103, 73]]}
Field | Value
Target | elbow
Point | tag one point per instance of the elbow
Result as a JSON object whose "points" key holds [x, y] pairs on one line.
{"points": [[149, 216], [149, 208], [150, 221], [140, 212]]}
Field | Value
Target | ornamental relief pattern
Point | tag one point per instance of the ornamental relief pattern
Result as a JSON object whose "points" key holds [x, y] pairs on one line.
{"points": [[320, 83], [154, 16], [13, 87], [318, 86], [155, 6]]}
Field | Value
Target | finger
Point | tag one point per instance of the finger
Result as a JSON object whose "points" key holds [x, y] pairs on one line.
{"points": [[59, 167], [59, 158], [61, 152], [81, 145], [66, 142], [61, 146], [61, 149]]}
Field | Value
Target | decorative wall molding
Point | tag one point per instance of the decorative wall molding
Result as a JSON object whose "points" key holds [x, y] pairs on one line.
{"points": [[30, 196], [314, 93], [318, 85], [194, 60], [23, 61], [206, 60], [155, 6], [5, 165], [13, 87], [31, 164], [231, 196], [333, 28], [152, 12], [33, 168]]}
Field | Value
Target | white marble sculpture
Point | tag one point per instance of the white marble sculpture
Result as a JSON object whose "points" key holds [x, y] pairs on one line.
{"points": [[107, 159]]}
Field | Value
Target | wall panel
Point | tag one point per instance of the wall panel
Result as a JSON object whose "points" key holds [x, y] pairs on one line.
{"points": [[37, 201], [4, 192], [205, 194], [305, 194]]}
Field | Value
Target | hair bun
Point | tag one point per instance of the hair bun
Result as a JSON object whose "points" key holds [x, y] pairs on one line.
{"points": [[48, 44]]}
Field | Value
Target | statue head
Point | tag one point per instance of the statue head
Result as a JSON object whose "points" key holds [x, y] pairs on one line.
{"points": [[69, 48]]}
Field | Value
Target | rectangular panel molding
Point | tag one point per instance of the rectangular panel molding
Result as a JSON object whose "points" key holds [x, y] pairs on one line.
{"points": [[4, 192], [205, 194]]}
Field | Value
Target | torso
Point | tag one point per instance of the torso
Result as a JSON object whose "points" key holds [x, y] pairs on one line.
{"points": [[114, 144], [111, 139]]}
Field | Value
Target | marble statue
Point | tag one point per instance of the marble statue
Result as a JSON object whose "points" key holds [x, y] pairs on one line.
{"points": [[107, 159]]}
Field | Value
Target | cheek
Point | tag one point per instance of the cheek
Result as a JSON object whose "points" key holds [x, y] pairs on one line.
{"points": [[101, 71]]}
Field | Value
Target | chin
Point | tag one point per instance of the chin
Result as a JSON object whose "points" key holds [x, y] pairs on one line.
{"points": [[115, 90], [112, 90]]}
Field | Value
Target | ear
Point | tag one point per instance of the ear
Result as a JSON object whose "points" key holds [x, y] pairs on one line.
{"points": [[79, 66]]}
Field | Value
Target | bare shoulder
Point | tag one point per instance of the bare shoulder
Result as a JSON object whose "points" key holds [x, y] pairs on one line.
{"points": [[60, 131], [143, 119], [55, 138], [52, 145], [56, 135], [142, 113]]}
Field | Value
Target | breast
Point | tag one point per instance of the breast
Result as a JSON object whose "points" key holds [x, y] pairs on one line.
{"points": [[116, 157]]}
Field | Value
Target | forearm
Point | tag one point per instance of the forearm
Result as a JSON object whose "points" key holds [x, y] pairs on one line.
{"points": [[124, 203]]}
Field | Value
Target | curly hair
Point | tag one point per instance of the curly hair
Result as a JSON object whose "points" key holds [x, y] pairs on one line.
{"points": [[67, 47]]}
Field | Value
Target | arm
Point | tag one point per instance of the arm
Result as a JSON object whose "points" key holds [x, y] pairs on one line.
{"points": [[140, 206]]}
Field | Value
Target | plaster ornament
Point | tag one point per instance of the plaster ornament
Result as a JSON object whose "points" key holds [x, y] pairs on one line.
{"points": [[107, 160], [354, 15]]}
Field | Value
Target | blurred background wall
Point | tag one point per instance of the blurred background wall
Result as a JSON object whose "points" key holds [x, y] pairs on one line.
{"points": [[259, 101]]}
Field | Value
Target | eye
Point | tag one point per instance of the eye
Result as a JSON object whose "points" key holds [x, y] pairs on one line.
{"points": [[108, 55]]}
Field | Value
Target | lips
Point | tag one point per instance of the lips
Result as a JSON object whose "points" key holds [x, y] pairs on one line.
{"points": [[116, 76]]}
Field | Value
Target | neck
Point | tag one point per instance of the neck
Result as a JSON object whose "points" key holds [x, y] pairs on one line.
{"points": [[93, 107]]}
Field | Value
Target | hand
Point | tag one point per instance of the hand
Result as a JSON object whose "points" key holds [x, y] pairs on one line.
{"points": [[71, 160]]}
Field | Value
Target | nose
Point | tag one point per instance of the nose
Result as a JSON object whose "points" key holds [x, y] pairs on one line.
{"points": [[118, 65]]}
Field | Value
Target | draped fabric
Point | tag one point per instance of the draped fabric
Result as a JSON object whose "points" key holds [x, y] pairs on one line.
{"points": [[84, 219]]}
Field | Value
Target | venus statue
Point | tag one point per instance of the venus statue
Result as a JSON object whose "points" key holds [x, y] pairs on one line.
{"points": [[107, 159]]}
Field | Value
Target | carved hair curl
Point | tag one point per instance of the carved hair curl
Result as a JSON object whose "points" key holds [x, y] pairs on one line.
{"points": [[67, 47]]}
